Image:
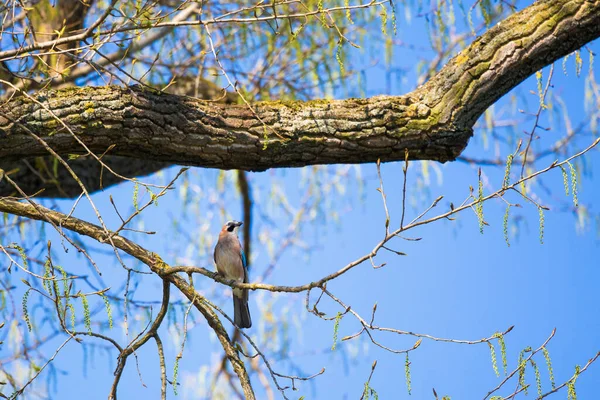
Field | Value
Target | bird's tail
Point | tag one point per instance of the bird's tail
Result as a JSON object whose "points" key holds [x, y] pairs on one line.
{"points": [[241, 312]]}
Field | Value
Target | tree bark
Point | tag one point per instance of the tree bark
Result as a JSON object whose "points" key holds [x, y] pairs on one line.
{"points": [[64, 16], [46, 175], [434, 122]]}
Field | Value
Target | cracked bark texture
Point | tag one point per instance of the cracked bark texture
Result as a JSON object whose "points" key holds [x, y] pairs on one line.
{"points": [[434, 122], [43, 175]]}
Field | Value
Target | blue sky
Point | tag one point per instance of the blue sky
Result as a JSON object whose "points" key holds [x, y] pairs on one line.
{"points": [[454, 283]]}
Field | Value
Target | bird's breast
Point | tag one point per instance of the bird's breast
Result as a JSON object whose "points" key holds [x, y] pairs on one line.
{"points": [[229, 264]]}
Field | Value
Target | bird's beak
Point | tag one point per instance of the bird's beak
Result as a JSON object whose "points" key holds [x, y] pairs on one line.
{"points": [[239, 223]]}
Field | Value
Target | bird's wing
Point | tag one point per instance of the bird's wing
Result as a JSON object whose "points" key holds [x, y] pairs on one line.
{"points": [[243, 257], [245, 264], [217, 249]]}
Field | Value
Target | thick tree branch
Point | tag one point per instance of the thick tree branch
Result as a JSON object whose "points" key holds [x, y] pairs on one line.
{"points": [[44, 173], [433, 122]]}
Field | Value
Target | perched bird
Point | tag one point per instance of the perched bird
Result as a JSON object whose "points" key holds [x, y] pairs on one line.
{"points": [[231, 264]]}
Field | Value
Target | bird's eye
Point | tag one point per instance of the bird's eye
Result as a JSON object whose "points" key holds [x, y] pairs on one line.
{"points": [[230, 228]]}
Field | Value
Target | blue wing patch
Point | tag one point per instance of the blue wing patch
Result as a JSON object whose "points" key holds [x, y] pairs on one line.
{"points": [[243, 256]]}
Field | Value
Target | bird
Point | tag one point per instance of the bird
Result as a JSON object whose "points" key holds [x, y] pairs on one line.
{"points": [[231, 264]]}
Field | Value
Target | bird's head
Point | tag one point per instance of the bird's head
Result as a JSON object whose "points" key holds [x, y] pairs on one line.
{"points": [[231, 228]]}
